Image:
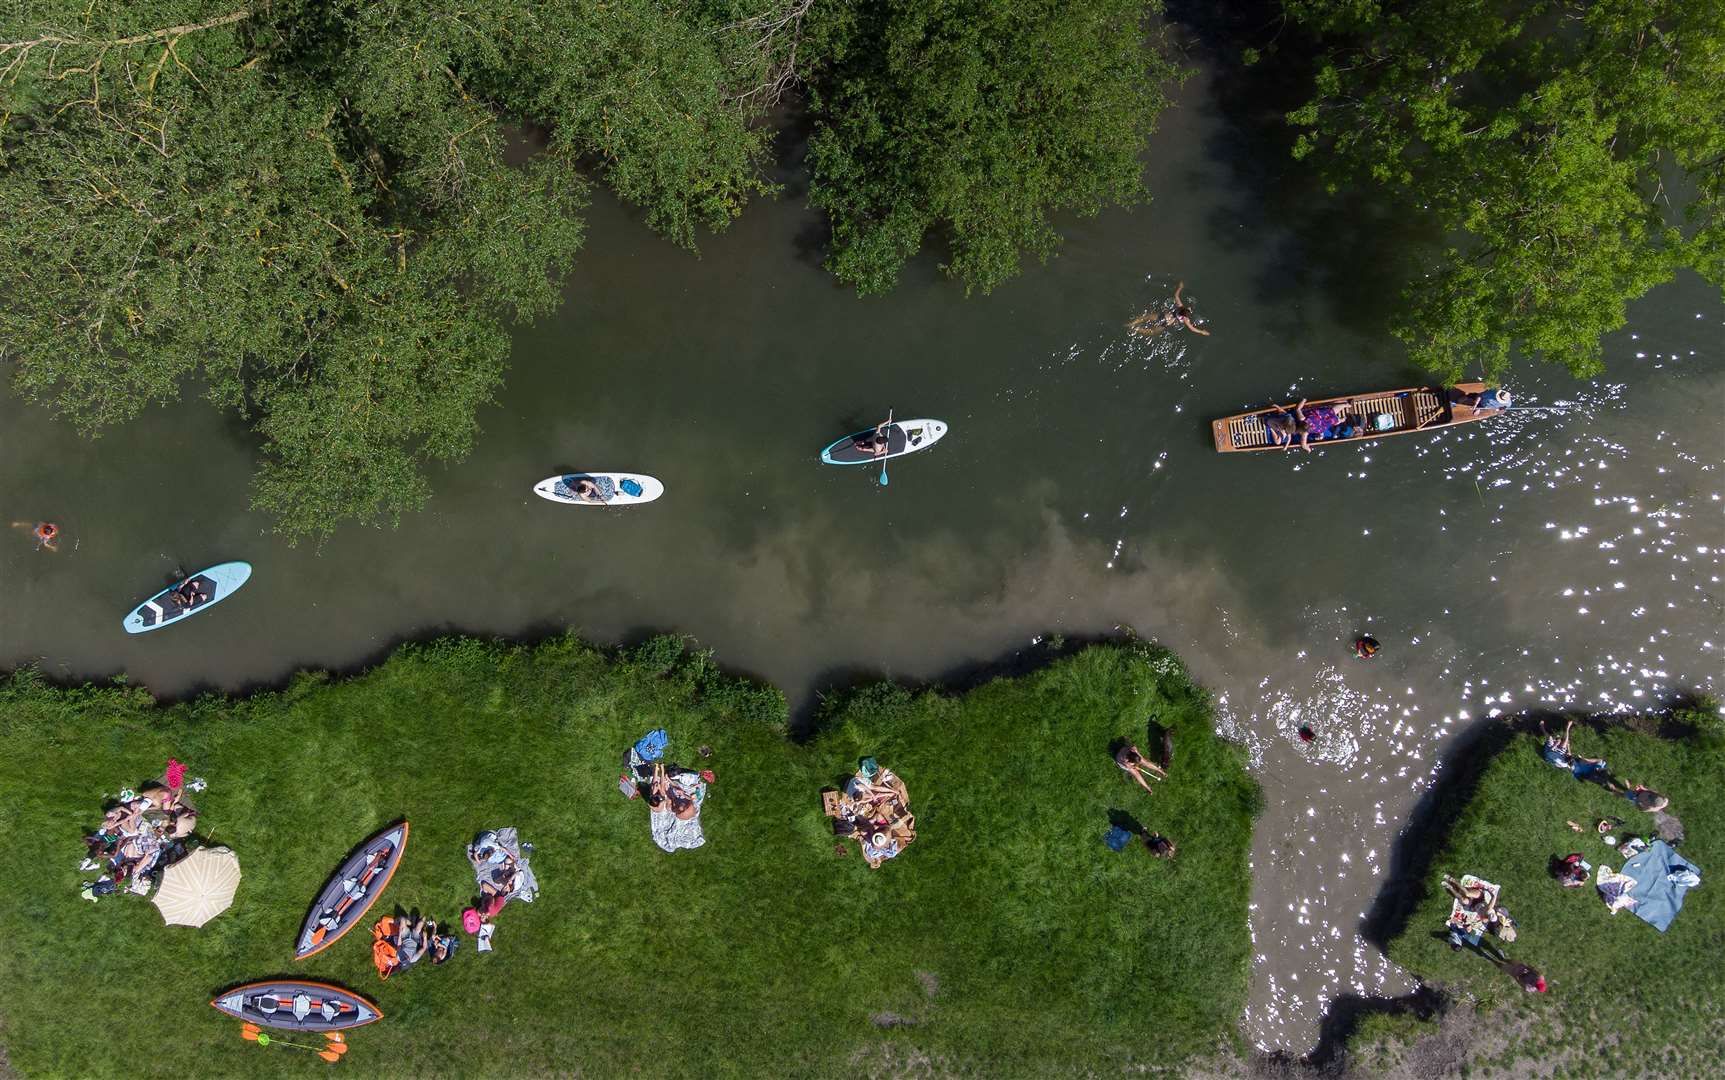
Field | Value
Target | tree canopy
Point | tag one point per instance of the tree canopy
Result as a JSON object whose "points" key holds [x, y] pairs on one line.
{"points": [[324, 214], [1573, 152], [309, 209], [973, 121]]}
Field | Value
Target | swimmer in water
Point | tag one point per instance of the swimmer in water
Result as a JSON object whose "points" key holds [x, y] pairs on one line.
{"points": [[1151, 323], [1366, 647], [45, 533]]}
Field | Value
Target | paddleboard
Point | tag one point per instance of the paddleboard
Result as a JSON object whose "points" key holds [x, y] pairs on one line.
{"points": [[615, 489], [904, 437], [215, 584]]}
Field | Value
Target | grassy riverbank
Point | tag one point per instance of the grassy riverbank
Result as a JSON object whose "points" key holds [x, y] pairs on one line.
{"points": [[1623, 1000], [1008, 940]]}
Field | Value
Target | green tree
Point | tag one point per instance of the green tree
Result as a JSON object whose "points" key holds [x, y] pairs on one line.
{"points": [[1574, 152], [308, 209], [974, 121]]}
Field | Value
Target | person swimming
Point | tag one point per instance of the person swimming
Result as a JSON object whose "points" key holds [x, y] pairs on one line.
{"points": [[1151, 323]]}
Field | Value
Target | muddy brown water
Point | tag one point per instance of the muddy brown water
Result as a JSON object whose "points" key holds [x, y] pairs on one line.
{"points": [[1566, 558]]}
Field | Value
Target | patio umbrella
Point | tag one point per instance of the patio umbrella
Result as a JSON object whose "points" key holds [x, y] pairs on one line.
{"points": [[198, 887]]}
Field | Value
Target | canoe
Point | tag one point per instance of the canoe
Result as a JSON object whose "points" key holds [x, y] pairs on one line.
{"points": [[165, 608], [356, 885], [615, 489], [293, 1005], [904, 437], [1386, 413]]}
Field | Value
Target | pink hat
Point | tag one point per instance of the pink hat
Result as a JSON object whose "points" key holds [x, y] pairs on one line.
{"points": [[470, 921]]}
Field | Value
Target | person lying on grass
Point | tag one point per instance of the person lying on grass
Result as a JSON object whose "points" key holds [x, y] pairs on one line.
{"points": [[501, 870], [1644, 798], [1558, 754], [873, 787], [674, 810], [1134, 764]]}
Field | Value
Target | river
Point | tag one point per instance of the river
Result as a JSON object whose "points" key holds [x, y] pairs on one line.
{"points": [[1566, 558]]}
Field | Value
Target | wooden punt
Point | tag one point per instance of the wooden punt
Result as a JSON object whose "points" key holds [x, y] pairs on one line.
{"points": [[1415, 408]]}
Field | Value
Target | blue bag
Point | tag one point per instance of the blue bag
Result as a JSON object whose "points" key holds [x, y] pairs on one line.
{"points": [[1117, 838], [651, 746]]}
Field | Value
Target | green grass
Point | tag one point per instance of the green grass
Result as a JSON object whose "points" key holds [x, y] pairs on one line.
{"points": [[1624, 999], [761, 954]]}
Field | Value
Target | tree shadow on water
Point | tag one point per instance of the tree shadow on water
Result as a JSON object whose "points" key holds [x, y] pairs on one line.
{"points": [[1354, 247]]}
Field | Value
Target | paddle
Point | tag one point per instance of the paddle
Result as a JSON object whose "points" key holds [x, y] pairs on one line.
{"points": [[331, 1050], [883, 480]]}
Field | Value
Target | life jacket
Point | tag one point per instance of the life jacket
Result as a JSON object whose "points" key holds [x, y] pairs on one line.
{"points": [[384, 956]]}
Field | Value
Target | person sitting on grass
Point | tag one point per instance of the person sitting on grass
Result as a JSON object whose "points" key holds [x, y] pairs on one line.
{"points": [[674, 811], [1559, 755], [1571, 871], [1134, 764], [1160, 846]]}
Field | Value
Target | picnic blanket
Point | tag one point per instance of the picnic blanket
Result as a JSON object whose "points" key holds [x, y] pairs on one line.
{"points": [[1658, 899]]}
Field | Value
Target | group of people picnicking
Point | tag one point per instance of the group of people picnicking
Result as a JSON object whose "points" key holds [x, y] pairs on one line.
{"points": [[1477, 918], [502, 872], [674, 794], [142, 833], [873, 809]]}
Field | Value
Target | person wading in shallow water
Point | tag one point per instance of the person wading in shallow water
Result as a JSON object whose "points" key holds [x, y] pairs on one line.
{"points": [[1152, 323]]}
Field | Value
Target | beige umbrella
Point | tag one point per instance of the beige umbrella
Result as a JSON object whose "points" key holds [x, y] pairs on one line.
{"points": [[198, 887]]}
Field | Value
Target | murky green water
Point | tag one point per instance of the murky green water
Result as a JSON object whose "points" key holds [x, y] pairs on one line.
{"points": [[1560, 559]]}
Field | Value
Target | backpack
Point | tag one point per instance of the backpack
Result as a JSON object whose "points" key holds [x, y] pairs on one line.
{"points": [[384, 956]]}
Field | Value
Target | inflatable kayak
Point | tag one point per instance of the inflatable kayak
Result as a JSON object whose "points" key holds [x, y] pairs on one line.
{"points": [[297, 1006], [357, 884], [170, 605], [903, 437], [611, 489]]}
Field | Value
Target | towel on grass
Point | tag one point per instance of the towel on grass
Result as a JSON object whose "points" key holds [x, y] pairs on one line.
{"points": [[1662, 877]]}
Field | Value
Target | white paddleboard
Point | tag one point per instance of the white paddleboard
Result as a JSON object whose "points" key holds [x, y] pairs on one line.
{"points": [[903, 437], [615, 489]]}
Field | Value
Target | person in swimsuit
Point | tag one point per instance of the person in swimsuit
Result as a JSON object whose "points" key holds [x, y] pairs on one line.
{"points": [[47, 535], [1133, 763], [1150, 324], [1558, 754], [587, 491]]}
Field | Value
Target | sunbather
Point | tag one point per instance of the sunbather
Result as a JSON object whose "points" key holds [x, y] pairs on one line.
{"points": [[873, 786], [501, 869], [1644, 798], [1559, 755], [674, 812]]}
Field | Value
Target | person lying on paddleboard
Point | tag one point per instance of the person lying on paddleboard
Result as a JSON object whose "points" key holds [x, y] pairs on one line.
{"points": [[876, 442], [1150, 324]]}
